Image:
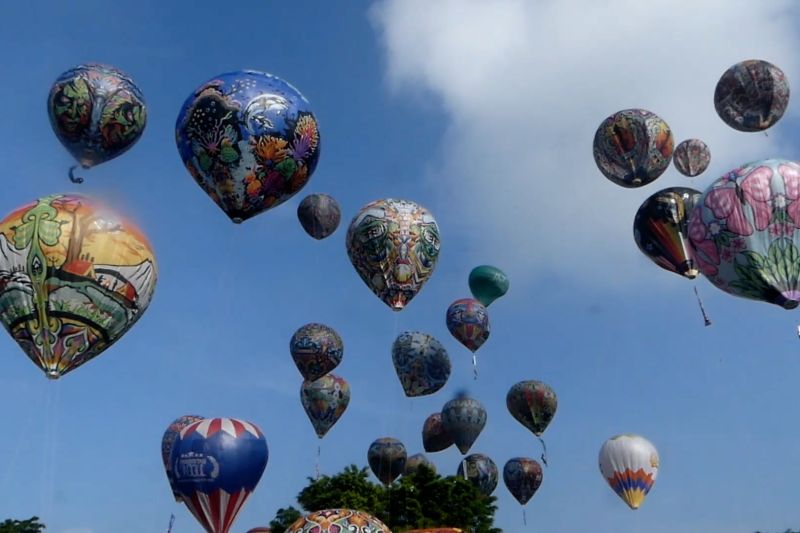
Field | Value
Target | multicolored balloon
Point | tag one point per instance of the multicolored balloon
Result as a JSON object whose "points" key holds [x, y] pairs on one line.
{"points": [[421, 362], [523, 477], [97, 112], [169, 438], [387, 459], [468, 321], [488, 283], [316, 350], [480, 471], [692, 157], [417, 460], [74, 278], [633, 147], [464, 419], [751, 95], [434, 437], [744, 232], [533, 404], [319, 214], [394, 246], [629, 463], [249, 139], [338, 521], [325, 401], [661, 229], [217, 463]]}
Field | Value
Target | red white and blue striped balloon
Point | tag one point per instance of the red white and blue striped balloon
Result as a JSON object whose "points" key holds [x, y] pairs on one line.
{"points": [[216, 464]]}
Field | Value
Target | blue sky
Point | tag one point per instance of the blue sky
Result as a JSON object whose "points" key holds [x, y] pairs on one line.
{"points": [[484, 113]]}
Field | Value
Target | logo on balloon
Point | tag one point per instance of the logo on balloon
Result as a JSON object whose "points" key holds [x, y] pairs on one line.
{"points": [[196, 467]]}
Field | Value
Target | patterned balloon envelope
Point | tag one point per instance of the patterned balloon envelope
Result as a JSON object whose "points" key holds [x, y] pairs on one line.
{"points": [[629, 463], [169, 438], [480, 471], [338, 521], [533, 404], [751, 95], [417, 460], [97, 112], [464, 419], [523, 477], [394, 246], [488, 283], [468, 321], [661, 229], [633, 147], [260, 530], [325, 401], [387, 459], [74, 277], [217, 464], [249, 139], [421, 363], [319, 214], [316, 349], [692, 157], [434, 437], [744, 232]]}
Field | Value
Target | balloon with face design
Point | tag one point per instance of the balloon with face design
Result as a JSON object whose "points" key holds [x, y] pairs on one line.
{"points": [[394, 246]]}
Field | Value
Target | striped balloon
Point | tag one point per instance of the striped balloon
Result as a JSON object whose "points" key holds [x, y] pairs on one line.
{"points": [[629, 463]]}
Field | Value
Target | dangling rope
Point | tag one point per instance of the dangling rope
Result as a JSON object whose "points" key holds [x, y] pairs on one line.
{"points": [[171, 521], [524, 517], [706, 320], [72, 177], [475, 365], [319, 452], [544, 451]]}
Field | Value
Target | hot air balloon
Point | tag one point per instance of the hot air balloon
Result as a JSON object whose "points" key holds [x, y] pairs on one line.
{"points": [[421, 363], [480, 471], [417, 460], [468, 321], [325, 401], [316, 349], [463, 418], [319, 214], [434, 436], [751, 95], [691, 157], [533, 404], [74, 277], [97, 112], [487, 283], [387, 459], [217, 463], [249, 139], [170, 435], [661, 229], [744, 232], [338, 521], [633, 147], [394, 246], [260, 530], [629, 463], [523, 477]]}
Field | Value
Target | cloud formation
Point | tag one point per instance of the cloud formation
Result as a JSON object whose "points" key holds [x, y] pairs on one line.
{"points": [[525, 84]]}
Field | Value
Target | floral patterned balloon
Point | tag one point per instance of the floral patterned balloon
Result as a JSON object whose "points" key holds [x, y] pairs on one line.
{"points": [[249, 139], [338, 521]]}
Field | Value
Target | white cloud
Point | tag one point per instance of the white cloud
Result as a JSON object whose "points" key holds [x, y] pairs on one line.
{"points": [[525, 85]]}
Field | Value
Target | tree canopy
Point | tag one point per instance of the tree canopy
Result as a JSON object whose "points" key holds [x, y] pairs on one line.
{"points": [[31, 525]]}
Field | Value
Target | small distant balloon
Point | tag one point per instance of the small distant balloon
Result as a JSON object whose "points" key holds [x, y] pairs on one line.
{"points": [[751, 95], [415, 461], [325, 401], [319, 214], [629, 463], [387, 459], [468, 321], [692, 157], [633, 147], [434, 436], [97, 112], [464, 418], [421, 362], [480, 471], [523, 477], [487, 283], [316, 350]]}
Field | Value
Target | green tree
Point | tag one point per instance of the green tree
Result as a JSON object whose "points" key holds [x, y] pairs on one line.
{"points": [[420, 500], [31, 525], [284, 518]]}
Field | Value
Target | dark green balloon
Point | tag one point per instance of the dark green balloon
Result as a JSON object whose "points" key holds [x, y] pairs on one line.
{"points": [[487, 283]]}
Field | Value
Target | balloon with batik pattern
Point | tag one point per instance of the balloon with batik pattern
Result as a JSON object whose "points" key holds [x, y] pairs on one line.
{"points": [[523, 477], [421, 362], [316, 350], [692, 157], [325, 401], [751, 95], [629, 464], [463, 418], [387, 459], [167, 441], [533, 404], [468, 321], [338, 521], [480, 471]]}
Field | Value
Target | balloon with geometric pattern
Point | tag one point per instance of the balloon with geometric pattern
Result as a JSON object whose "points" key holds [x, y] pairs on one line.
{"points": [[629, 463]]}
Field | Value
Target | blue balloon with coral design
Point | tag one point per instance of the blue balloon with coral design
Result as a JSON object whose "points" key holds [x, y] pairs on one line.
{"points": [[249, 139]]}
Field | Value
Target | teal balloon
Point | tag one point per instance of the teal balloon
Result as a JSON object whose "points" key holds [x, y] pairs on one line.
{"points": [[487, 283]]}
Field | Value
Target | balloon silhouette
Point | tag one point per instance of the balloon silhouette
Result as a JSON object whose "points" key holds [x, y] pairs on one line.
{"points": [[629, 463], [97, 112], [751, 95], [338, 521], [169, 438], [417, 460], [217, 463], [434, 437], [480, 471], [249, 140], [523, 477], [74, 278], [387, 459], [487, 283], [316, 350], [421, 363], [319, 214], [463, 418], [691, 157], [325, 401], [394, 246]]}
